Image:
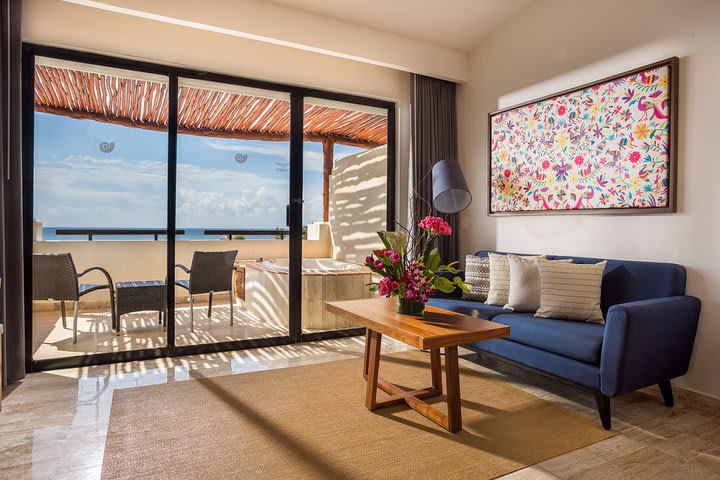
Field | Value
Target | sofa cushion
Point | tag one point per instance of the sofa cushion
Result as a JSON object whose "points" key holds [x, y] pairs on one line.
{"points": [[577, 340], [630, 281], [468, 307]]}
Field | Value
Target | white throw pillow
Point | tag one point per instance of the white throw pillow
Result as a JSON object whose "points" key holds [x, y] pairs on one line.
{"points": [[499, 279], [524, 293], [570, 290], [477, 277]]}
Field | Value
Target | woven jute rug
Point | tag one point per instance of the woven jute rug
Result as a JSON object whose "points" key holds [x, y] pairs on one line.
{"points": [[310, 422]]}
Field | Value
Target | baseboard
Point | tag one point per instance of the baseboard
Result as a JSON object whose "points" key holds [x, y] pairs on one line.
{"points": [[690, 399]]}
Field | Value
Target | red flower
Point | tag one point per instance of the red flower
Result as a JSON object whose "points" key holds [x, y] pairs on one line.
{"points": [[562, 110], [507, 173], [634, 157], [546, 164], [579, 160]]}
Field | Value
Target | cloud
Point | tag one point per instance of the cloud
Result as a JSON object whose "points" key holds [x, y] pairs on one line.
{"points": [[280, 149], [312, 160]]}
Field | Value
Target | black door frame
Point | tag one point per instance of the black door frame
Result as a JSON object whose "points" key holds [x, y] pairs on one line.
{"points": [[297, 98]]}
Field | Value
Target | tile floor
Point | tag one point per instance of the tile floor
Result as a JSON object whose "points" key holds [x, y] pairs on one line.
{"points": [[53, 425]]}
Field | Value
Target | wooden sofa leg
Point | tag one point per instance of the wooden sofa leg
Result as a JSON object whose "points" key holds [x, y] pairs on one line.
{"points": [[666, 391], [603, 406]]}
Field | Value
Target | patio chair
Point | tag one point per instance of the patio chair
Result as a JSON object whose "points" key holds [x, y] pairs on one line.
{"points": [[55, 278], [209, 272]]}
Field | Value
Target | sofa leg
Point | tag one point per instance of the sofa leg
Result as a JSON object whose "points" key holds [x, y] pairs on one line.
{"points": [[603, 406], [666, 391]]}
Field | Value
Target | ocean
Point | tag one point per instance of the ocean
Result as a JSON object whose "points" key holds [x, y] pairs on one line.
{"points": [[50, 233]]}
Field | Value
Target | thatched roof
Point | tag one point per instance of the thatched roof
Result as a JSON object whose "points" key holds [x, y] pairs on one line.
{"points": [[142, 103]]}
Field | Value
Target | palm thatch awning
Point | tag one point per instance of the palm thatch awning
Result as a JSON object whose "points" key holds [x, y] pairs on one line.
{"points": [[142, 103]]}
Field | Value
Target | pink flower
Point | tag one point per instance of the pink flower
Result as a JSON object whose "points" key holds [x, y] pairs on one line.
{"points": [[389, 253], [507, 173], [379, 264], [435, 225], [384, 290], [634, 157], [368, 261], [562, 110], [394, 285], [579, 160], [395, 258], [546, 164]]}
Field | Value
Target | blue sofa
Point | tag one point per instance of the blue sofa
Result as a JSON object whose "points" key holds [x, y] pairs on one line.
{"points": [[647, 337]]}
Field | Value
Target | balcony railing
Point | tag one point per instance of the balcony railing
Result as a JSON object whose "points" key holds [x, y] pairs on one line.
{"points": [[155, 233]]}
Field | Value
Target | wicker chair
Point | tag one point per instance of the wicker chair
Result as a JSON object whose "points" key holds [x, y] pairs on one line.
{"points": [[209, 272], [55, 278]]}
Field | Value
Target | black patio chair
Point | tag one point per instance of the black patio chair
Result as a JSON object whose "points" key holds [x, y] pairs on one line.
{"points": [[209, 272], [55, 278]]}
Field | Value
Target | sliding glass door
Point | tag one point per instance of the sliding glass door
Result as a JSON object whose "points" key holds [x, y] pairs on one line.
{"points": [[99, 184], [232, 280], [345, 182], [171, 212]]}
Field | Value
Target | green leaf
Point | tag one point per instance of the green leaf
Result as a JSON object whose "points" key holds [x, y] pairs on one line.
{"points": [[443, 284], [447, 268], [433, 260], [384, 239], [460, 283]]}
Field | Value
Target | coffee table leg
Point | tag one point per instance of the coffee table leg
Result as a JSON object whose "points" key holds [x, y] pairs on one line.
{"points": [[373, 365], [452, 377], [366, 357], [436, 370]]}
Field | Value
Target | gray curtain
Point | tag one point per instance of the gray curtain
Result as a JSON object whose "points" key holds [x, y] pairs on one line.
{"points": [[434, 138], [11, 249]]}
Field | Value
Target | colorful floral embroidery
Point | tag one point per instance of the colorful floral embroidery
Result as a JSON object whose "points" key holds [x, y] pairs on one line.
{"points": [[606, 146]]}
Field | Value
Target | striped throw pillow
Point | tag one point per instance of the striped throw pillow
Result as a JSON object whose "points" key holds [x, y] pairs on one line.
{"points": [[500, 279], [477, 277], [570, 290]]}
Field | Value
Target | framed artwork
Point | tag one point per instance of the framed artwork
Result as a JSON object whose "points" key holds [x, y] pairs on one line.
{"points": [[606, 147]]}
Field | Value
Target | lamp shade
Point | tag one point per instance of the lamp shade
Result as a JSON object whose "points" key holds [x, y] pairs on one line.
{"points": [[450, 190]]}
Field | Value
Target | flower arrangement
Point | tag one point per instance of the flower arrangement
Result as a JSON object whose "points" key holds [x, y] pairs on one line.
{"points": [[413, 275]]}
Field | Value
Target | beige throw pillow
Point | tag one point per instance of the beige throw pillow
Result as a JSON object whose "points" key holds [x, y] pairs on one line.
{"points": [[570, 290], [499, 279], [477, 277], [524, 293]]}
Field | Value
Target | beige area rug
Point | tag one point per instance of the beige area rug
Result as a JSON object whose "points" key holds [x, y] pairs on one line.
{"points": [[310, 422]]}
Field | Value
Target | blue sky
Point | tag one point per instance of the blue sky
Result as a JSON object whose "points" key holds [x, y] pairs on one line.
{"points": [[78, 185]]}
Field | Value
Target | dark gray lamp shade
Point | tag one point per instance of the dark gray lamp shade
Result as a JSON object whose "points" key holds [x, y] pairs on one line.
{"points": [[450, 190]]}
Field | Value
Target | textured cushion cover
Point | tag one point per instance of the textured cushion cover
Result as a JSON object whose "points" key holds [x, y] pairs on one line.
{"points": [[524, 293], [477, 276], [570, 291], [468, 307], [578, 340]]}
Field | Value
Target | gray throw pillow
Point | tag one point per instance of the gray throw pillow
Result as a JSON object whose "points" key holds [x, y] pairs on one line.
{"points": [[524, 293]]}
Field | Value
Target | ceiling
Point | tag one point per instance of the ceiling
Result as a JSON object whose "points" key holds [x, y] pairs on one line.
{"points": [[458, 24]]}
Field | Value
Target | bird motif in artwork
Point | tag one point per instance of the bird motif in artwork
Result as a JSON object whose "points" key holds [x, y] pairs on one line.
{"points": [[541, 198], [647, 79], [649, 107], [501, 138]]}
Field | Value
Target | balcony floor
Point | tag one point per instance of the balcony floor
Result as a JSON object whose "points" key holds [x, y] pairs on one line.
{"points": [[142, 330]]}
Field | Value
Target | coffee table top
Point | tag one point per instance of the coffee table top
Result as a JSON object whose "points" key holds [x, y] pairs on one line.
{"points": [[438, 328]]}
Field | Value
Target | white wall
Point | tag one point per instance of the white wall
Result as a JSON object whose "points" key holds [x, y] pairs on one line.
{"points": [[58, 23], [357, 203], [558, 44]]}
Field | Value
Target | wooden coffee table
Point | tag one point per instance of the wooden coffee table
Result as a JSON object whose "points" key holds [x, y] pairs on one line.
{"points": [[437, 329]]}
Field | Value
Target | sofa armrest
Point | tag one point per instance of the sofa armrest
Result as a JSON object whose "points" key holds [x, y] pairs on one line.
{"points": [[647, 342], [457, 293]]}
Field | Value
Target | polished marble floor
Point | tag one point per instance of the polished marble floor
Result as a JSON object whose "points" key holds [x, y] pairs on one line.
{"points": [[53, 425]]}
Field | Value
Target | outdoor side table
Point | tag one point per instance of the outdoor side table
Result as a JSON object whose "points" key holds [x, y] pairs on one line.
{"points": [[141, 296]]}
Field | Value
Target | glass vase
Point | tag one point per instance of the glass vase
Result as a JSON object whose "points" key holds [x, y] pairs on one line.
{"points": [[408, 307]]}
